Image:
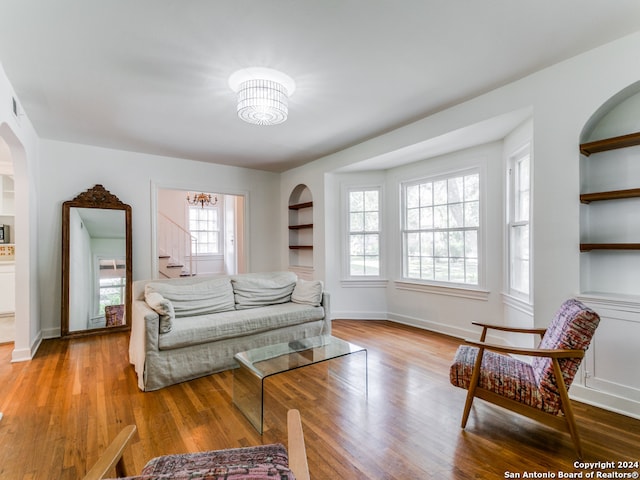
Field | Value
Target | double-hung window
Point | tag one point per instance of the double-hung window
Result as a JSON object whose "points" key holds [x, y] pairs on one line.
{"points": [[441, 228], [519, 189], [204, 225], [364, 232]]}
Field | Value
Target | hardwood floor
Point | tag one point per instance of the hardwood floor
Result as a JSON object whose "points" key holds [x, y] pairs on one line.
{"points": [[62, 408]]}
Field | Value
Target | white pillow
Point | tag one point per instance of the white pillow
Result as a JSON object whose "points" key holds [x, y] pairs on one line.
{"points": [[164, 308], [253, 290], [201, 298], [308, 292]]}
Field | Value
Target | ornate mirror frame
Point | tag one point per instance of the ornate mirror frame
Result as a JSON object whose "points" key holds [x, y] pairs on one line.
{"points": [[99, 198]]}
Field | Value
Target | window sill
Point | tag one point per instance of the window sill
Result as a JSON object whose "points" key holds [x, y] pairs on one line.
{"points": [[454, 291], [364, 283]]}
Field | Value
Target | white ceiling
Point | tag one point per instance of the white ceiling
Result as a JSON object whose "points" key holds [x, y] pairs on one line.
{"points": [[151, 75]]}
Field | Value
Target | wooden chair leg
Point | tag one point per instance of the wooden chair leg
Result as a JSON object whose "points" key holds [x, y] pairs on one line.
{"points": [[566, 407], [475, 378]]}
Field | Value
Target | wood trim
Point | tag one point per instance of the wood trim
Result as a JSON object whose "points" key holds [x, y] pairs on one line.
{"points": [[587, 247], [587, 198], [299, 206]]}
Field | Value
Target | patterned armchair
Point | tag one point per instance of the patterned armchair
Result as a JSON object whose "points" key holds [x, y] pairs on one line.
{"points": [[538, 390], [263, 462]]}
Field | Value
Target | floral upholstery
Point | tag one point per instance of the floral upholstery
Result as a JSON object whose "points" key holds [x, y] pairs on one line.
{"points": [[572, 327], [265, 462]]}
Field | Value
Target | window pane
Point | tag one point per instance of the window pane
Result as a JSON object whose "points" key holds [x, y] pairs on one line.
{"points": [[441, 244], [371, 200], [371, 222], [428, 271], [471, 214], [356, 222], [440, 215], [413, 219], [426, 244], [471, 187], [356, 266], [455, 190], [440, 192], [442, 269], [471, 271], [357, 245], [456, 270], [471, 244], [413, 267], [371, 245], [456, 216], [413, 244], [356, 201], [372, 265], [413, 196], [456, 244], [426, 194], [426, 217]]}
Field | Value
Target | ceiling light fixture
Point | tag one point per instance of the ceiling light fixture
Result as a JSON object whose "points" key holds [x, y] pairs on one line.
{"points": [[263, 95], [202, 199]]}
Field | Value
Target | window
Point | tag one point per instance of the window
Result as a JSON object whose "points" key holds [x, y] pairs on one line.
{"points": [[111, 282], [364, 232], [441, 225], [204, 224], [519, 189]]}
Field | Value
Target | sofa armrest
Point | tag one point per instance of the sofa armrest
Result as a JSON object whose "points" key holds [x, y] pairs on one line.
{"points": [[326, 304], [145, 329]]}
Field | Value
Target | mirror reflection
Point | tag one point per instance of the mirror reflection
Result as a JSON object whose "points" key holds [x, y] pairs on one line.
{"points": [[96, 263], [97, 269]]}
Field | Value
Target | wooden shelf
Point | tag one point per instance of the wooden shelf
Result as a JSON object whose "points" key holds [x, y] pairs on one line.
{"points": [[612, 195], [587, 247], [300, 227], [298, 206], [301, 247], [623, 141]]}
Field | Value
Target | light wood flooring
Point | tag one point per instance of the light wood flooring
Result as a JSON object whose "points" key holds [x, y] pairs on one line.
{"points": [[62, 408]]}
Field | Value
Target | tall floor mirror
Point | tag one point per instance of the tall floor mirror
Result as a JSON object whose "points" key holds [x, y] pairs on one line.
{"points": [[96, 264]]}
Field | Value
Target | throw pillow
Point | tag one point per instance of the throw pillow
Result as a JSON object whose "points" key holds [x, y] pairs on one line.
{"points": [[201, 298], [308, 292], [261, 289], [163, 308]]}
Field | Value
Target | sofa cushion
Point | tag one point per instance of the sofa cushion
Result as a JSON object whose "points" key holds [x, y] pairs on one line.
{"points": [[201, 298], [308, 292], [210, 328], [260, 289], [163, 307]]}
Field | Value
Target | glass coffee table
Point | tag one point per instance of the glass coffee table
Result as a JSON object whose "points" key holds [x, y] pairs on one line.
{"points": [[256, 365]]}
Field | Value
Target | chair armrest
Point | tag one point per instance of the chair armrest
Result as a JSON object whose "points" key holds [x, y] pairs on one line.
{"points": [[504, 328], [532, 352], [297, 450], [112, 456]]}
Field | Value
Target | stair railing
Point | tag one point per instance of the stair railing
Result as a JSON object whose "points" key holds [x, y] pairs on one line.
{"points": [[177, 243]]}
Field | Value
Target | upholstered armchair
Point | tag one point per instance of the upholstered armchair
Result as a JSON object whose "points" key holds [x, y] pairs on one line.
{"points": [[538, 389], [262, 462]]}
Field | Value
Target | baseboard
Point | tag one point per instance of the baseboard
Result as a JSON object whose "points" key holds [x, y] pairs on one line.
{"points": [[606, 401], [26, 354]]}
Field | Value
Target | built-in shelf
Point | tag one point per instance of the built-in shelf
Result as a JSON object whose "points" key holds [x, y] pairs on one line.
{"points": [[587, 247], [299, 206], [604, 145], [612, 195], [301, 247], [300, 227]]}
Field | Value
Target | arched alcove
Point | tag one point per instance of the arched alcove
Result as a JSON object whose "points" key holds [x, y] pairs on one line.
{"points": [[301, 231]]}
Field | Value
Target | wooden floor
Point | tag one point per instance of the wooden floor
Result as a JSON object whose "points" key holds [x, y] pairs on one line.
{"points": [[63, 407]]}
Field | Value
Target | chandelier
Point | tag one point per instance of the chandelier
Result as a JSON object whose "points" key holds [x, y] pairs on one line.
{"points": [[204, 199], [262, 95]]}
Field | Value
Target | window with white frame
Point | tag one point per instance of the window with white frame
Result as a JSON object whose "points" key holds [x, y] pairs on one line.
{"points": [[204, 224], [519, 207], [441, 228], [364, 232]]}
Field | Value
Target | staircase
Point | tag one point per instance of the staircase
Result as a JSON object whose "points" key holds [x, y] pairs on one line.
{"points": [[176, 247]]}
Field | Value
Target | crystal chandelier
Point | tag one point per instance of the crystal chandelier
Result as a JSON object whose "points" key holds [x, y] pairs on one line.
{"points": [[204, 199], [262, 94]]}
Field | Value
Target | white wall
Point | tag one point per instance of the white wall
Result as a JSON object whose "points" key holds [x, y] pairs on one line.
{"points": [[23, 143], [562, 98], [69, 169]]}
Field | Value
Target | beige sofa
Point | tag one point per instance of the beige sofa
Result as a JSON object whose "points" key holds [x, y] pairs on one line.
{"points": [[185, 328]]}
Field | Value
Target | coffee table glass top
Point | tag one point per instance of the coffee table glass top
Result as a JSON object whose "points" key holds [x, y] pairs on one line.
{"points": [[282, 357]]}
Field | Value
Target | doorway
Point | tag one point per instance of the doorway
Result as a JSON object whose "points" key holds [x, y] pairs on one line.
{"points": [[202, 236], [7, 245]]}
